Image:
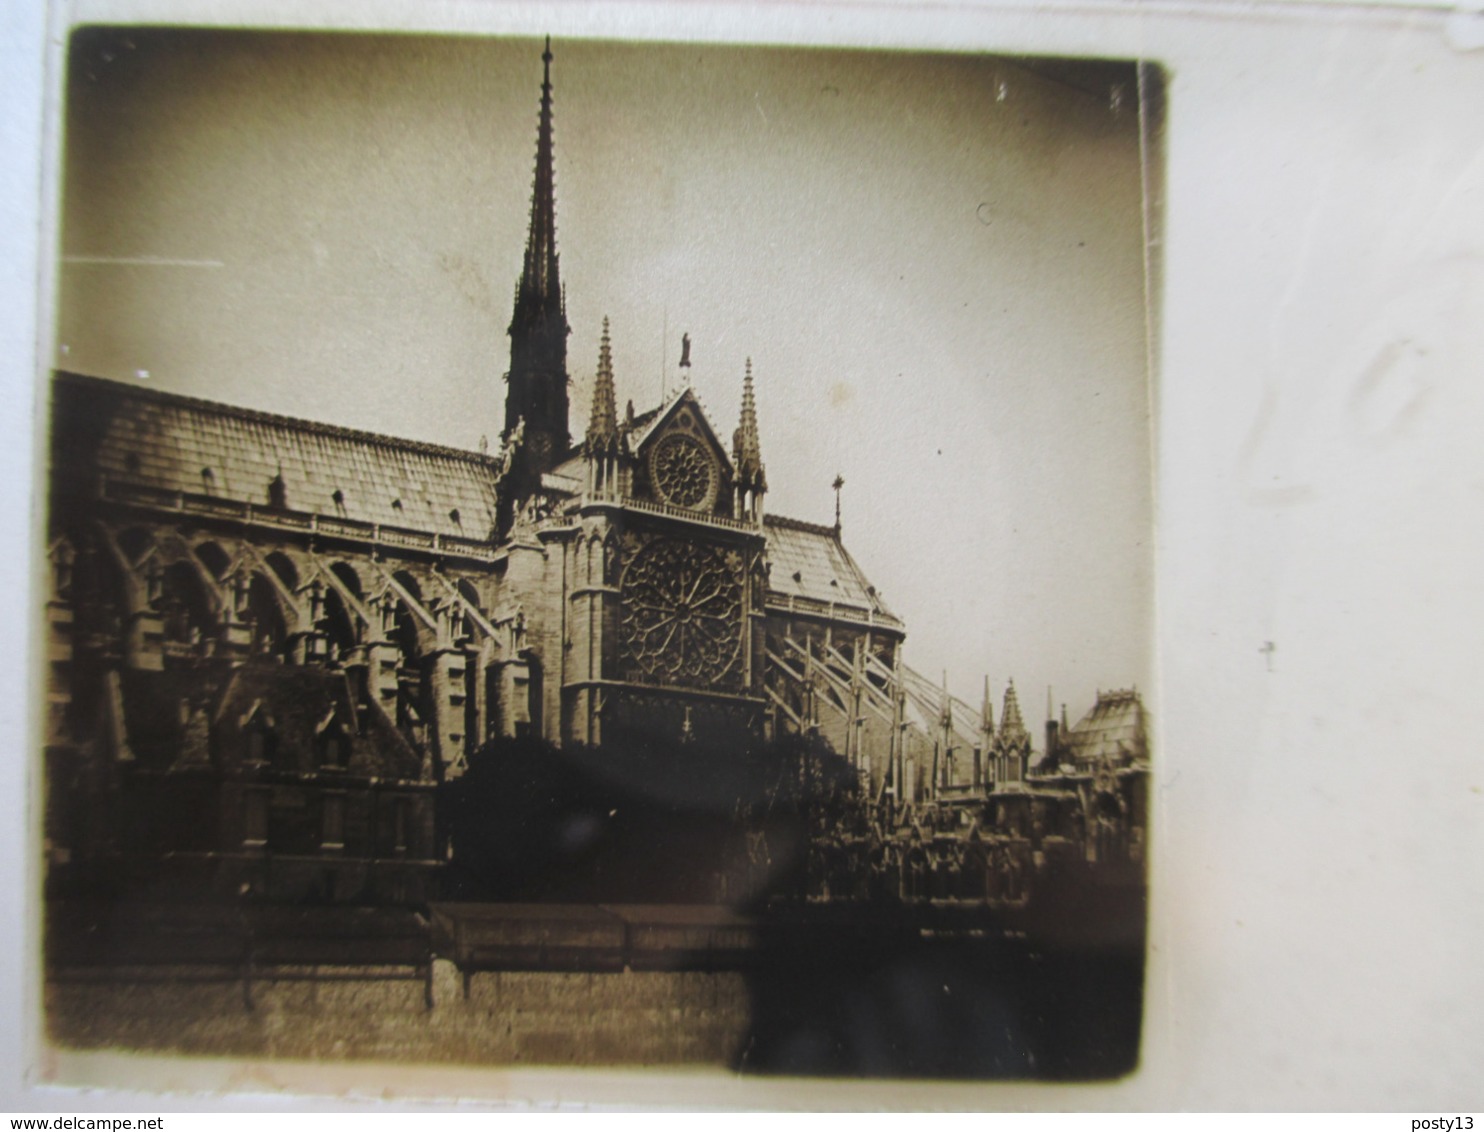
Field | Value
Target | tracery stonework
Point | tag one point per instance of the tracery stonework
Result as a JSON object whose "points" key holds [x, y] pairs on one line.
{"points": [[684, 473], [682, 615]]}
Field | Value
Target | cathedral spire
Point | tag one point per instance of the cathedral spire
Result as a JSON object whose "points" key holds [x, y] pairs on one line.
{"points": [[986, 716], [602, 428], [538, 327], [540, 281]]}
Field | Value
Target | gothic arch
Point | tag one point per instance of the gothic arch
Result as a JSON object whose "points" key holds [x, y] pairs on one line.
{"points": [[266, 615], [348, 577], [469, 594], [284, 567], [135, 542], [100, 574], [341, 624], [582, 558], [186, 605], [609, 576], [408, 633], [216, 560], [62, 558]]}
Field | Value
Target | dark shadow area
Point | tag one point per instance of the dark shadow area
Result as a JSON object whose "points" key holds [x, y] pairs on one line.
{"points": [[1044, 984], [650, 820]]}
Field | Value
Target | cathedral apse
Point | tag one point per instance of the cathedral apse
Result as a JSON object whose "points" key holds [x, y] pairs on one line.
{"points": [[603, 688]]}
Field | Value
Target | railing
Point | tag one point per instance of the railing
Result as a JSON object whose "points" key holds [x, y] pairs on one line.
{"points": [[670, 511], [834, 610], [338, 526], [595, 937]]}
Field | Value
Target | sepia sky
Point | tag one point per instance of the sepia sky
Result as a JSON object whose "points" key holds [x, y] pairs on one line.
{"points": [[933, 261]]}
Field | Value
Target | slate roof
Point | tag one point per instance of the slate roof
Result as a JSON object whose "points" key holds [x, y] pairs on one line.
{"points": [[298, 701], [808, 561], [184, 444]]}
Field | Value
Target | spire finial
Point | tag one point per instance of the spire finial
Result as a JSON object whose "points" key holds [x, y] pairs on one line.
{"points": [[837, 485], [1012, 726], [602, 429], [747, 452]]}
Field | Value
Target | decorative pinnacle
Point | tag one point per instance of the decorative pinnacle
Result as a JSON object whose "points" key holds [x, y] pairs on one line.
{"points": [[602, 429], [746, 447], [986, 711], [1012, 726], [837, 485]]}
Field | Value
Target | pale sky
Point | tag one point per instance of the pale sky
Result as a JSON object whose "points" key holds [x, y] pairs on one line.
{"points": [[934, 262]]}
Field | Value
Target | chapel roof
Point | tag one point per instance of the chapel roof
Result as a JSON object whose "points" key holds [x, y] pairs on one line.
{"points": [[185, 444], [300, 702], [809, 562], [1113, 730]]}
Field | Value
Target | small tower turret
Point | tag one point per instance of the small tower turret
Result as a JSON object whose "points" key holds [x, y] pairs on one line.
{"points": [[1013, 744], [747, 455], [1053, 734], [604, 444]]}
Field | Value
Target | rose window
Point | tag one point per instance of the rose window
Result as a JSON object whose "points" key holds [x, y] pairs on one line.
{"points": [[682, 615], [684, 472]]}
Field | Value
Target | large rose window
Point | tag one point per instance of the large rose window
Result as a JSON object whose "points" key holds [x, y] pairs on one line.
{"points": [[684, 472], [682, 615]]}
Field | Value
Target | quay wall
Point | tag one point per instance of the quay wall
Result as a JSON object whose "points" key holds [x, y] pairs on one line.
{"points": [[509, 1018]]}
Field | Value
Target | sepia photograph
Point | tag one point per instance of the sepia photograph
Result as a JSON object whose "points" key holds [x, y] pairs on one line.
{"points": [[573, 552]]}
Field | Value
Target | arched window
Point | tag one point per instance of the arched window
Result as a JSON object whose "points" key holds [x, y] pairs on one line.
{"points": [[401, 824], [332, 743], [62, 558], [214, 558], [283, 566], [339, 626], [134, 542], [259, 736], [332, 813], [266, 617], [255, 802], [185, 605]]}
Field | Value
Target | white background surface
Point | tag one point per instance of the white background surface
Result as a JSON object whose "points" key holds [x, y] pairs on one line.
{"points": [[1319, 854]]}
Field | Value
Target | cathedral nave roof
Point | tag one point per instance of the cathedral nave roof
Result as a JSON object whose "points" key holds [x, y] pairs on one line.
{"points": [[183, 444]]}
